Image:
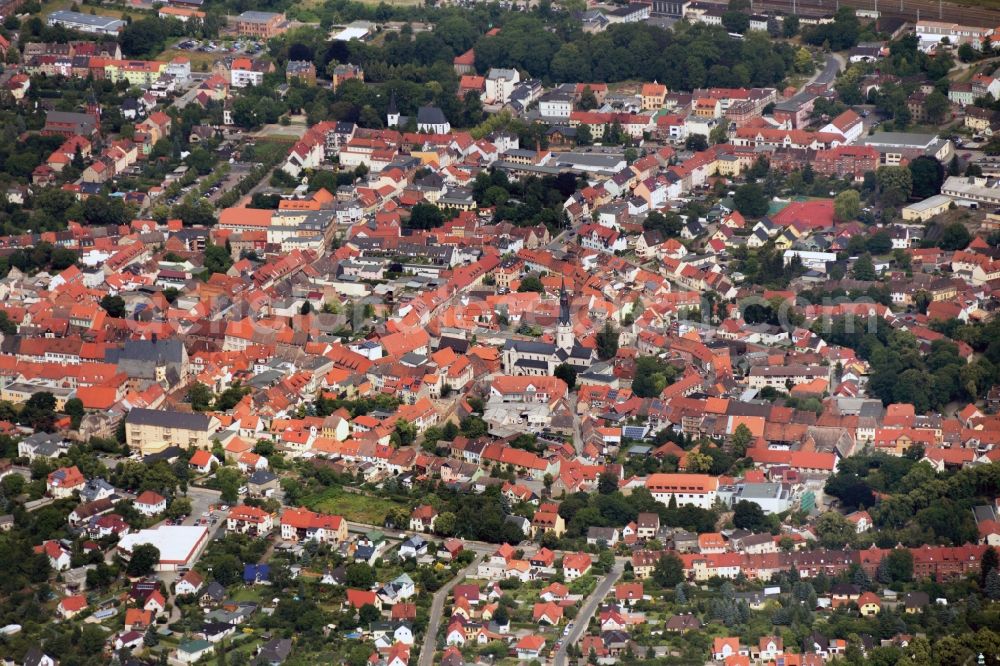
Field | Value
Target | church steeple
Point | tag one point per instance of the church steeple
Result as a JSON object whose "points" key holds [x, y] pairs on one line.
{"points": [[564, 331], [563, 304], [392, 113]]}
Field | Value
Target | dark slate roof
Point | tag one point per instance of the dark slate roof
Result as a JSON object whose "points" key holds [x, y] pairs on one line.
{"points": [[168, 419], [430, 115]]}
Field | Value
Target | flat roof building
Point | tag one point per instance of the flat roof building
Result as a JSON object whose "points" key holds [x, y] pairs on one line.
{"points": [[928, 208], [96, 25], [179, 545]]}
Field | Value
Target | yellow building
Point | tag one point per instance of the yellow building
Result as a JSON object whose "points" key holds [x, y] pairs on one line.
{"points": [[136, 72], [545, 521], [20, 392], [654, 96], [151, 430], [928, 208]]}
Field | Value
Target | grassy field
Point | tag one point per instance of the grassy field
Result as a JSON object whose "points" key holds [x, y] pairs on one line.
{"points": [[356, 508], [200, 61], [50, 6]]}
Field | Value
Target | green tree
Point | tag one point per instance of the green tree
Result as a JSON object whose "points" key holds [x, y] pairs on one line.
{"points": [[750, 200], [833, 530], [424, 216], [899, 566], [669, 571], [405, 431], [144, 558], [955, 237], [895, 184], [992, 586], [607, 341], [698, 462], [200, 397], [531, 283], [847, 205], [217, 259], [790, 26], [114, 306], [718, 134], [567, 373], [804, 61], [988, 562], [696, 142], [741, 439], [927, 176], [879, 242], [670, 224], [936, 106], [864, 268], [359, 575], [368, 614], [229, 481], [445, 524], [74, 409], [749, 516], [179, 507]]}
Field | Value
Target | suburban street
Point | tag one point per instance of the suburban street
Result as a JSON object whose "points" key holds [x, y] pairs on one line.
{"points": [[590, 607], [437, 610]]}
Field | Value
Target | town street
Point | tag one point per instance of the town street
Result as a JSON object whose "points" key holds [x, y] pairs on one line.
{"points": [[590, 607], [437, 609]]}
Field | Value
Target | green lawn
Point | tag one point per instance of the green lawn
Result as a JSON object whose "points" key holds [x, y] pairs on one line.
{"points": [[356, 508]]}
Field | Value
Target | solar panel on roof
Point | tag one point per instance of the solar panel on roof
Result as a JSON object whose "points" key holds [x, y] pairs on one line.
{"points": [[634, 432]]}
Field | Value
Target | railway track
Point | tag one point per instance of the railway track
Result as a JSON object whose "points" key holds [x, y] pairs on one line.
{"points": [[910, 10]]}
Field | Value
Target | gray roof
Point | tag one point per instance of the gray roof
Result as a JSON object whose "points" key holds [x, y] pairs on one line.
{"points": [[430, 115], [262, 476], [894, 139], [262, 17], [167, 419], [106, 22], [149, 351]]}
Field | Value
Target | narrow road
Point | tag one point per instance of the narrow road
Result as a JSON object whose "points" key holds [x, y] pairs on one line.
{"points": [[590, 607], [437, 609], [834, 63], [577, 432]]}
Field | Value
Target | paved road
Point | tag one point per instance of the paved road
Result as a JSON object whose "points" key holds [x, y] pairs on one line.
{"points": [[437, 610], [577, 432], [834, 61], [201, 499], [590, 607]]}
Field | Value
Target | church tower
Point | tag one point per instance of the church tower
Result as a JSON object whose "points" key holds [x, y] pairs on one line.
{"points": [[392, 113], [564, 331]]}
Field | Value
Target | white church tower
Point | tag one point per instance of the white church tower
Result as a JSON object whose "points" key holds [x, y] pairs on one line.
{"points": [[564, 331]]}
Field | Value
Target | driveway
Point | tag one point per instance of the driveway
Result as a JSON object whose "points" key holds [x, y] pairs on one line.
{"points": [[590, 607], [437, 610]]}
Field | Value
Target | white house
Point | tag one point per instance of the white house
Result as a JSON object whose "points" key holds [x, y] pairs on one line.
{"points": [[150, 503], [848, 124], [423, 518], [500, 84]]}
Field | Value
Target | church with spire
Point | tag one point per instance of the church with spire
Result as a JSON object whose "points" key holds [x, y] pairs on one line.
{"points": [[530, 357]]}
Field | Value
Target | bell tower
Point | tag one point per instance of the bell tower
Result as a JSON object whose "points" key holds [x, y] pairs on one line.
{"points": [[564, 331]]}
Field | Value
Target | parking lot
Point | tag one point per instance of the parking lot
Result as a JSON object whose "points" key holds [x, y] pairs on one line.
{"points": [[246, 46]]}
